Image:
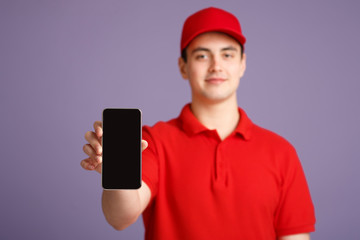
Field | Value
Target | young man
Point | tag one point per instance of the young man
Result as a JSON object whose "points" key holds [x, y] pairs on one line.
{"points": [[211, 173]]}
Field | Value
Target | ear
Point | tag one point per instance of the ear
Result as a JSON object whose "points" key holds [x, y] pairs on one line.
{"points": [[243, 65], [183, 68]]}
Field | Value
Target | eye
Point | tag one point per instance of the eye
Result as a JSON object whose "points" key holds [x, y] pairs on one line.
{"points": [[201, 56], [228, 55]]}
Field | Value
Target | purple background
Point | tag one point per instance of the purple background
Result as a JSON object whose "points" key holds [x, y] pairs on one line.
{"points": [[62, 62]]}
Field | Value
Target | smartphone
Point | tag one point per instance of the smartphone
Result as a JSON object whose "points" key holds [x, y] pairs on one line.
{"points": [[121, 143]]}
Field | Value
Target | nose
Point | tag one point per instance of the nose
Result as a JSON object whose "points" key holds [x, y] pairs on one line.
{"points": [[215, 64]]}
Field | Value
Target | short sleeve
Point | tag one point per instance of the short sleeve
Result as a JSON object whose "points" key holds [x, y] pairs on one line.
{"points": [[150, 162], [295, 213]]}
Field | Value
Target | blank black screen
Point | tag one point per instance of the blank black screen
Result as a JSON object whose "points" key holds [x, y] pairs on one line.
{"points": [[121, 141]]}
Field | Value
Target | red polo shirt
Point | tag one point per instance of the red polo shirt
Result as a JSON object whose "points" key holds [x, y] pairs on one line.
{"points": [[249, 186]]}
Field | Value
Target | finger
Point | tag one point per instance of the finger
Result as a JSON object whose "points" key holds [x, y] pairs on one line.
{"points": [[98, 129], [144, 145], [98, 168], [94, 142], [88, 150], [85, 164]]}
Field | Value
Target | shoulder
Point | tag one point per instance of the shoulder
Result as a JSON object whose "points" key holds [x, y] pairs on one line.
{"points": [[266, 134], [172, 124], [163, 129], [266, 137], [277, 151]]}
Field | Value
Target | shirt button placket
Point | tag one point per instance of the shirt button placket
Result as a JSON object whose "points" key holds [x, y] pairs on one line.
{"points": [[219, 166]]}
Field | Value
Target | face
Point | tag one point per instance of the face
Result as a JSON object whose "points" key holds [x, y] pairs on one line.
{"points": [[214, 67]]}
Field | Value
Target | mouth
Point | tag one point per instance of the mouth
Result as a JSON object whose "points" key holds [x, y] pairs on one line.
{"points": [[215, 80]]}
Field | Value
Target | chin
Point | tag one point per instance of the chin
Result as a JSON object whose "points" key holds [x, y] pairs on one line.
{"points": [[217, 99], [218, 96]]}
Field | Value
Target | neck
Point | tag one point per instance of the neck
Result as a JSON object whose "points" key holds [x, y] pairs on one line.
{"points": [[221, 116]]}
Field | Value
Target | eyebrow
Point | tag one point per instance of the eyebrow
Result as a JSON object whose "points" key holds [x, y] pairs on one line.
{"points": [[199, 49], [229, 48]]}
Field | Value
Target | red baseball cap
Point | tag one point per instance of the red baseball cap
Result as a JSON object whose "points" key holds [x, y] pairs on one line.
{"points": [[211, 20]]}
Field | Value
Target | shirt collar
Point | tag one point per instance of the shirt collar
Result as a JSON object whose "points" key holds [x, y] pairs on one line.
{"points": [[191, 125]]}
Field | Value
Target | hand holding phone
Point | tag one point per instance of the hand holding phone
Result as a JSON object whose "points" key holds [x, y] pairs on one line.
{"points": [[93, 149], [121, 148]]}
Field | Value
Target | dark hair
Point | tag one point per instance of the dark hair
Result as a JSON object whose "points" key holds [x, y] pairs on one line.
{"points": [[184, 55]]}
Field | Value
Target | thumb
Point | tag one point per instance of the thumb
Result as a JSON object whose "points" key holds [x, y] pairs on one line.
{"points": [[144, 145]]}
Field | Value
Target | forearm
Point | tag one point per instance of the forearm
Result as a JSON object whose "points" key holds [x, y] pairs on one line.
{"points": [[121, 207]]}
